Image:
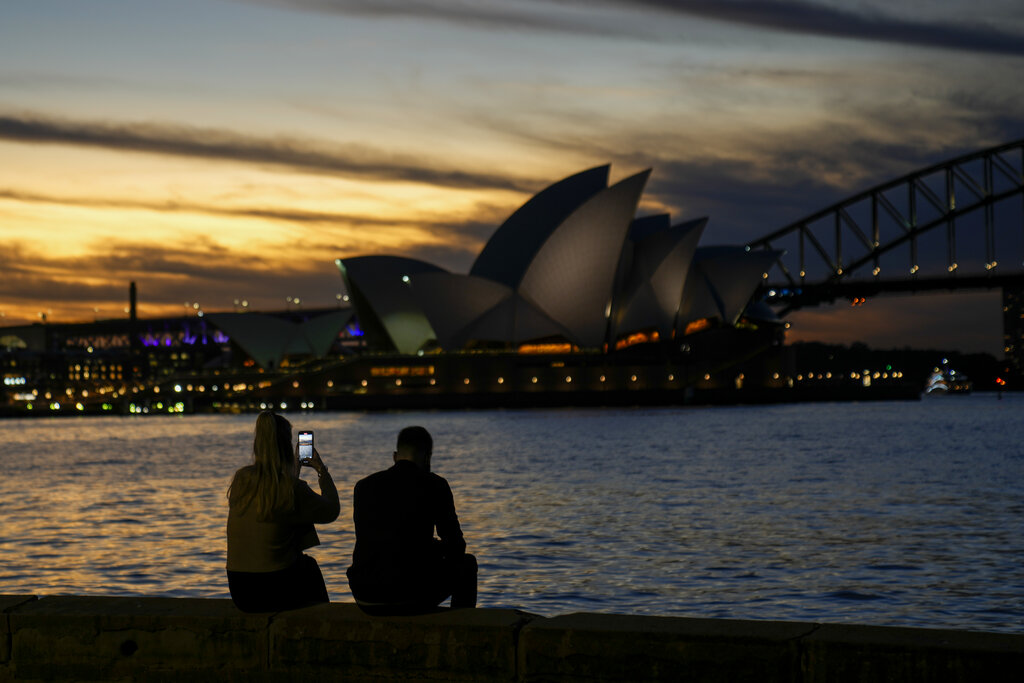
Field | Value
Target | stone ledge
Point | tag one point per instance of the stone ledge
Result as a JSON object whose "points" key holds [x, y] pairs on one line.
{"points": [[164, 639], [108, 638], [8, 602], [589, 647], [837, 652], [451, 645]]}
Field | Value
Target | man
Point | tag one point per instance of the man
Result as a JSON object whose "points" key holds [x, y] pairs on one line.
{"points": [[398, 567]]}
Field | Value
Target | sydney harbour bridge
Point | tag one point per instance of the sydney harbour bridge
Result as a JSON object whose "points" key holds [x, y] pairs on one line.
{"points": [[955, 225]]}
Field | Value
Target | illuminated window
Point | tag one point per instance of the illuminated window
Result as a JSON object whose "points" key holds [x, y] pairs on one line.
{"points": [[697, 326], [637, 338], [547, 348]]}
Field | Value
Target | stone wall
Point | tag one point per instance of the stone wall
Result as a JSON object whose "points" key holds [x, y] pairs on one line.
{"points": [[163, 639]]}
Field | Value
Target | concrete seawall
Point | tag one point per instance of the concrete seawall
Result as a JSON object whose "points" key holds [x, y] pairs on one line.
{"points": [[164, 639]]}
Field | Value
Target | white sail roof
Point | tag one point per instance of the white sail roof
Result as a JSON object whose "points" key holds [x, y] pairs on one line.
{"points": [[379, 289], [653, 289], [512, 247], [572, 276], [722, 279], [267, 339]]}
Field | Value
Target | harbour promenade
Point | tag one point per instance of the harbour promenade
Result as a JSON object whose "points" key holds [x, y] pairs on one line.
{"points": [[165, 639]]}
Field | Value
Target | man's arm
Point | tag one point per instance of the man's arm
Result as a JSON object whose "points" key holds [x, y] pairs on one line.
{"points": [[447, 522]]}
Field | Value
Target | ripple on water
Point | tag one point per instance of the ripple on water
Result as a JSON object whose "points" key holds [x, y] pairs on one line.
{"points": [[773, 512]]}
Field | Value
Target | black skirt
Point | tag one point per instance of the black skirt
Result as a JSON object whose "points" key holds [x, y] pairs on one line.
{"points": [[300, 585]]}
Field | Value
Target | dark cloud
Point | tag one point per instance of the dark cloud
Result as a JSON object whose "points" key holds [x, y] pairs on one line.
{"points": [[300, 155], [500, 15], [809, 18], [276, 214], [793, 16], [472, 229], [784, 182]]}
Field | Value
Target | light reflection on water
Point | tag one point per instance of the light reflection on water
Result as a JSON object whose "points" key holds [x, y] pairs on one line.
{"points": [[886, 513]]}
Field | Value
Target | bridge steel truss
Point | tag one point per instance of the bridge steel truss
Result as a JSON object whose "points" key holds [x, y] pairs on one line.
{"points": [[847, 238]]}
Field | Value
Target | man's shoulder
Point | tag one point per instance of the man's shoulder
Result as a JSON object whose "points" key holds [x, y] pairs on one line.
{"points": [[383, 477], [370, 479], [437, 479]]}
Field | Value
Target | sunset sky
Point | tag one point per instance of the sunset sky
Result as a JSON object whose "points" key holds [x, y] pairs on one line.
{"points": [[214, 150]]}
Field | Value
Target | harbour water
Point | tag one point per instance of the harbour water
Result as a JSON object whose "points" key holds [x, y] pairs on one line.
{"points": [[889, 513]]}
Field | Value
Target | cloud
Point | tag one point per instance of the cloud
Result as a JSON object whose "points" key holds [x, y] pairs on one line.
{"points": [[205, 270], [205, 143], [809, 18], [450, 241], [473, 228], [166, 277], [501, 15], [793, 16]]}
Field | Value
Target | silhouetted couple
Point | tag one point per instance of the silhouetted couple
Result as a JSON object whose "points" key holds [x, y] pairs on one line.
{"points": [[398, 567]]}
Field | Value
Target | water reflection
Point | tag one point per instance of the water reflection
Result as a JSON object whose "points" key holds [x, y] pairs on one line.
{"points": [[884, 513]]}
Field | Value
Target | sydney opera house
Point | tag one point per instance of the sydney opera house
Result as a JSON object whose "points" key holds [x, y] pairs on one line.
{"points": [[573, 301], [571, 268], [572, 293]]}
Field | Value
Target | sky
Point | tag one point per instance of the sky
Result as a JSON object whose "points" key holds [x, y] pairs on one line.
{"points": [[220, 151]]}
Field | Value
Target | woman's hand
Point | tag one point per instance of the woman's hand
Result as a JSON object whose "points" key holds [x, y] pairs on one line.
{"points": [[316, 463]]}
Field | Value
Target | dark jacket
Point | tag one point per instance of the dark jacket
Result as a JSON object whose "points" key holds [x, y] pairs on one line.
{"points": [[396, 512]]}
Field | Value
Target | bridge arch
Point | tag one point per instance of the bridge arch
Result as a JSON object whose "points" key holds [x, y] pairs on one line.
{"points": [[852, 247]]}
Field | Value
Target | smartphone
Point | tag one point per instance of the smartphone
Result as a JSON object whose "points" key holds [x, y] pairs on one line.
{"points": [[305, 446]]}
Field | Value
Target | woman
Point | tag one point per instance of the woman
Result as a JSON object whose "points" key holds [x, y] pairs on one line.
{"points": [[271, 513]]}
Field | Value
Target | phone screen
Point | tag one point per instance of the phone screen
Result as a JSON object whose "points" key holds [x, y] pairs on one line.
{"points": [[305, 446]]}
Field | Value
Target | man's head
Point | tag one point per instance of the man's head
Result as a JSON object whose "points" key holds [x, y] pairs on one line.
{"points": [[415, 444]]}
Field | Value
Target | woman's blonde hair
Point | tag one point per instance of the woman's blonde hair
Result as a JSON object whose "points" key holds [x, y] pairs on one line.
{"points": [[270, 480]]}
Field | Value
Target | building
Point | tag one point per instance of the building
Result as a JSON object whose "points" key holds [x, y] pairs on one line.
{"points": [[572, 267]]}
